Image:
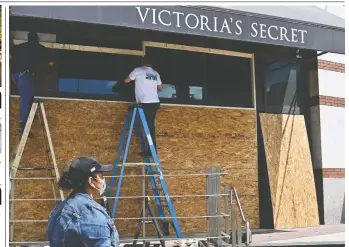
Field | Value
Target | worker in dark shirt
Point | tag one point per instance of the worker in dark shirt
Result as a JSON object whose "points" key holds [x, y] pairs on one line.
{"points": [[27, 59]]}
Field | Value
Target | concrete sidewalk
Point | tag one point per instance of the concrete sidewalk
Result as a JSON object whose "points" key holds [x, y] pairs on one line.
{"points": [[328, 235]]}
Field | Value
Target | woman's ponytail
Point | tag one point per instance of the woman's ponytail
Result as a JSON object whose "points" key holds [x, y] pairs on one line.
{"points": [[66, 181]]}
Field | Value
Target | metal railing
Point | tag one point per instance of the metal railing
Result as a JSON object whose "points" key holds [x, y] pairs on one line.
{"points": [[232, 228], [247, 224]]}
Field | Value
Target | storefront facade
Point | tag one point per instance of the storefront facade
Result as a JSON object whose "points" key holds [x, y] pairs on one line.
{"points": [[243, 90]]}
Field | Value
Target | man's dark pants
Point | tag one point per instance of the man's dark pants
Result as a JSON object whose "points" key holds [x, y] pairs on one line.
{"points": [[150, 110], [24, 81]]}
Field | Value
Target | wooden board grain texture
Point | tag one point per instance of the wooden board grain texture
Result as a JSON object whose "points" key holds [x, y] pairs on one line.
{"points": [[290, 171], [188, 137]]}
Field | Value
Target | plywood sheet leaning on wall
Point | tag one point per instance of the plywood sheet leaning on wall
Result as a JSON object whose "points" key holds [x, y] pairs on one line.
{"points": [[290, 171], [188, 138]]}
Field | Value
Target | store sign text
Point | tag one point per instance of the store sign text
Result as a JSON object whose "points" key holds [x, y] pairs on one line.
{"points": [[215, 24]]}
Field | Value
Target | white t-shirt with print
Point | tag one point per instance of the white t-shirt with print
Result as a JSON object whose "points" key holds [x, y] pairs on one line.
{"points": [[146, 82]]}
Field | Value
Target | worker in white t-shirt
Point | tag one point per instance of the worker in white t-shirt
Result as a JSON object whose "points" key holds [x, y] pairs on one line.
{"points": [[147, 84]]}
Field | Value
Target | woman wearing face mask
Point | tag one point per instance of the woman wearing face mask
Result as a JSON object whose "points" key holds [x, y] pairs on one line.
{"points": [[79, 220]]}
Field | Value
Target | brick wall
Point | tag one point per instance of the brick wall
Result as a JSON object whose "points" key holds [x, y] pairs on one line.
{"points": [[328, 100], [333, 172], [331, 101], [327, 65]]}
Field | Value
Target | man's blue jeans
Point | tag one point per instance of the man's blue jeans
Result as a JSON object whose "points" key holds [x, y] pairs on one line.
{"points": [[24, 81]]}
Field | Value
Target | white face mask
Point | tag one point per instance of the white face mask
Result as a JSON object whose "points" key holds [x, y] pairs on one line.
{"points": [[102, 190]]}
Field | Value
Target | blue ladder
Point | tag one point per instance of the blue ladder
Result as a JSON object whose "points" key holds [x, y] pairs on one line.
{"points": [[136, 116]]}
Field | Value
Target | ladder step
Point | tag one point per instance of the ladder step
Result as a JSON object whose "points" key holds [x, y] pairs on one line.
{"points": [[35, 169], [147, 221]]}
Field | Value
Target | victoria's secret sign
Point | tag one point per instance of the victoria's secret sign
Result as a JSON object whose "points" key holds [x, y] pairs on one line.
{"points": [[227, 25], [200, 21]]}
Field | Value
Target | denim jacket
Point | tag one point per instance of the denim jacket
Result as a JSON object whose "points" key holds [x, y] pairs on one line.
{"points": [[80, 221]]}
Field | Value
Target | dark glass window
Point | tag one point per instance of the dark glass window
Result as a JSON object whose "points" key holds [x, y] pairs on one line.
{"points": [[195, 93], [192, 78], [282, 88], [168, 92], [85, 86], [93, 75], [203, 79], [229, 81]]}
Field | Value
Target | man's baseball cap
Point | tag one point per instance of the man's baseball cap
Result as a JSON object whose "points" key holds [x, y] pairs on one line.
{"points": [[88, 164]]}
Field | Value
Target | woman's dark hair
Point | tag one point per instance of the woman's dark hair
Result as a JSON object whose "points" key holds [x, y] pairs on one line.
{"points": [[75, 180]]}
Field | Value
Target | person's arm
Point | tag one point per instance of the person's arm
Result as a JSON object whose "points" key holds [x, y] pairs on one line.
{"points": [[127, 79], [159, 84], [131, 76], [96, 234]]}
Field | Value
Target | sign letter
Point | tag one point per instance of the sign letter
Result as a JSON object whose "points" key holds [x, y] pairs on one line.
{"points": [[269, 34], [302, 33], [239, 27], [160, 20], [196, 18], [140, 13], [283, 32], [254, 29], [204, 22]]}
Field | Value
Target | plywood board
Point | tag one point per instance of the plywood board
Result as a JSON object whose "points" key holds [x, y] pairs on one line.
{"points": [[188, 137], [290, 171]]}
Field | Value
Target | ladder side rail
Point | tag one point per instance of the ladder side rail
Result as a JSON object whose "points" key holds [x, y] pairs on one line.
{"points": [[156, 192], [162, 181], [121, 146], [124, 161], [12, 203], [150, 170], [155, 222], [15, 163], [21, 146], [44, 133], [53, 156], [139, 227]]}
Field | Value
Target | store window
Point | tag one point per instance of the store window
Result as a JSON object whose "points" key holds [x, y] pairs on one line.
{"points": [[203, 79], [195, 93], [284, 91], [191, 78], [85, 86], [168, 92], [93, 75]]}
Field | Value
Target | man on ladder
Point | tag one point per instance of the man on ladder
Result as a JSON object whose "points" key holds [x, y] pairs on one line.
{"points": [[147, 84], [27, 59]]}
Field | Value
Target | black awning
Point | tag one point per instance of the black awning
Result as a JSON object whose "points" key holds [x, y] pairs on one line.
{"points": [[202, 21]]}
